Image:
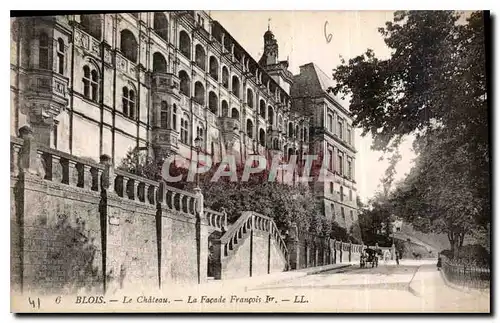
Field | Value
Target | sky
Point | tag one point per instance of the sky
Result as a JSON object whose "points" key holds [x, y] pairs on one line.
{"points": [[303, 38]]}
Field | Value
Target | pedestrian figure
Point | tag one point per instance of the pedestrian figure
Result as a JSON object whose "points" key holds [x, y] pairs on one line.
{"points": [[397, 258], [387, 255]]}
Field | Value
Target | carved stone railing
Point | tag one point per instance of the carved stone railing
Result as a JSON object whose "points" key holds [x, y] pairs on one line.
{"points": [[53, 165], [135, 188], [164, 82], [237, 232], [49, 85], [27, 156], [251, 221], [216, 219], [178, 200]]}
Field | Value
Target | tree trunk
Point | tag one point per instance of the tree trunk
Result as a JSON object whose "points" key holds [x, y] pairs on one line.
{"points": [[462, 236], [453, 243], [456, 249]]}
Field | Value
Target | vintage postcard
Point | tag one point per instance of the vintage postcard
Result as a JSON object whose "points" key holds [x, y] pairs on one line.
{"points": [[250, 161]]}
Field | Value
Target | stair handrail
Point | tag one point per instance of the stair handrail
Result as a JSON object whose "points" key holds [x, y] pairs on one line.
{"points": [[258, 222], [216, 219], [234, 227]]}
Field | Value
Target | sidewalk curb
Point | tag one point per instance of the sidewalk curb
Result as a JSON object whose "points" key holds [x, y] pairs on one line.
{"points": [[410, 288], [318, 271], [299, 274]]}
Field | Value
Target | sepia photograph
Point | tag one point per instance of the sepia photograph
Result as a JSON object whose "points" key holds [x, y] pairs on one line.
{"points": [[210, 161]]}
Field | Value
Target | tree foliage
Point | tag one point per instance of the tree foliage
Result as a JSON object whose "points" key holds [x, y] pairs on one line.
{"points": [[285, 204], [432, 86]]}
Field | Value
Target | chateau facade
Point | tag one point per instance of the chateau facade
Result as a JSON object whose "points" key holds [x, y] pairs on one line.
{"points": [[155, 81]]}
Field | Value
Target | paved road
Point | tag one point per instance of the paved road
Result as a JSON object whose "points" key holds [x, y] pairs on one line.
{"points": [[411, 286]]}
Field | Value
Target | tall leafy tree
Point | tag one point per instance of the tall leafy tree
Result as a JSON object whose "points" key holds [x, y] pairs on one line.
{"points": [[433, 86]]}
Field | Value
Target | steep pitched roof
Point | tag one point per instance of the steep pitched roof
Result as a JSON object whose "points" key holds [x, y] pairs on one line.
{"points": [[312, 81], [306, 83]]}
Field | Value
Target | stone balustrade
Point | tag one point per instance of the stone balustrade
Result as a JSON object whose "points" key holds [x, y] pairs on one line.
{"points": [[215, 219], [59, 167], [135, 188]]}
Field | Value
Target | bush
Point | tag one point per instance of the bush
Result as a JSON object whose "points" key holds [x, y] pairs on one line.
{"points": [[471, 254]]}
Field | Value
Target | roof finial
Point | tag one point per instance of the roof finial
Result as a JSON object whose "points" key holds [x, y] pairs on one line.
{"points": [[268, 24]]}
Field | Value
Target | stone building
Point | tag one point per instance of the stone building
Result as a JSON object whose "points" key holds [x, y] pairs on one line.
{"points": [[332, 135], [155, 81]]}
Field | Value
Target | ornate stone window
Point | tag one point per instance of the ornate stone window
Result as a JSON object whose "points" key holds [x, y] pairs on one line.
{"points": [[185, 129], [185, 44], [160, 25], [128, 102], [128, 45], [60, 56], [43, 51], [90, 83], [164, 115], [249, 128]]}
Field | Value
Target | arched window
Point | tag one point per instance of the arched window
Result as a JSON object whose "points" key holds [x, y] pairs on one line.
{"points": [[128, 102], [185, 44], [60, 56], [214, 68], [212, 102], [185, 129], [225, 77], [174, 116], [200, 132], [276, 144], [236, 86], [91, 24], [185, 83], [249, 128], [128, 45], [280, 122], [90, 84], [160, 25], [262, 137], [225, 108], [43, 51], [159, 63], [270, 115], [250, 98], [262, 109], [94, 85], [199, 93], [164, 115], [235, 114], [296, 131], [199, 56], [290, 130], [86, 81]]}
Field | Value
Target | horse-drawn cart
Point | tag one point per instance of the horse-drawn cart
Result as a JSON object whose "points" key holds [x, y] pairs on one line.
{"points": [[369, 256]]}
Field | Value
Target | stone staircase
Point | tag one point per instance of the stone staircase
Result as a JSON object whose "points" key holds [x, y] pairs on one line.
{"points": [[251, 245]]}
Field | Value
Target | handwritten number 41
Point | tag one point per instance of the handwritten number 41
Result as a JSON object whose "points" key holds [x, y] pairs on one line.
{"points": [[35, 303], [328, 36]]}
